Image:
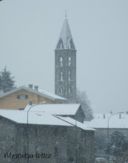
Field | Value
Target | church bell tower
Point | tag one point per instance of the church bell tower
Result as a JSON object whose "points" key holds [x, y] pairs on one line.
{"points": [[65, 64]]}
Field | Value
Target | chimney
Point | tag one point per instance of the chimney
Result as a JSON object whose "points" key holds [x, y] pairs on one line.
{"points": [[30, 86], [30, 102], [36, 87]]}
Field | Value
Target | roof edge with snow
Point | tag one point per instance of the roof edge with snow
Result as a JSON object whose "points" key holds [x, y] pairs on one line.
{"points": [[40, 92]]}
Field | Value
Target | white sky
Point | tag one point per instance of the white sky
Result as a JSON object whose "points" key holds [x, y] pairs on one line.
{"points": [[29, 31]]}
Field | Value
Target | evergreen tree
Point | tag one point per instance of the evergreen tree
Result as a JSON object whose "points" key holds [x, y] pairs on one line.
{"points": [[6, 81]]}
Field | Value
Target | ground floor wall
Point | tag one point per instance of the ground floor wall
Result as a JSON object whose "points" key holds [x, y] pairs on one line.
{"points": [[44, 144]]}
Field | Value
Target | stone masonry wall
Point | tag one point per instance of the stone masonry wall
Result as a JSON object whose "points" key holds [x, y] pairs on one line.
{"points": [[7, 139], [44, 144]]}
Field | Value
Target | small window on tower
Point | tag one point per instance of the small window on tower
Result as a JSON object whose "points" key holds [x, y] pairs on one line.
{"points": [[69, 90], [69, 61], [61, 76], [61, 91], [61, 61], [71, 44], [69, 75], [60, 44]]}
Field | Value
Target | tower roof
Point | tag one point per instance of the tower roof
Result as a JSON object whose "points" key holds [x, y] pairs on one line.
{"points": [[65, 39]]}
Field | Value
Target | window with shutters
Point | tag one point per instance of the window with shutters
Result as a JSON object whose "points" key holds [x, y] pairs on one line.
{"points": [[22, 97]]}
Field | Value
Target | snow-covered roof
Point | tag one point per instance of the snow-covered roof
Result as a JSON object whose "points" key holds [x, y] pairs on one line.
{"points": [[55, 109], [109, 120], [20, 116], [65, 40], [38, 118], [49, 94], [76, 123], [40, 92]]}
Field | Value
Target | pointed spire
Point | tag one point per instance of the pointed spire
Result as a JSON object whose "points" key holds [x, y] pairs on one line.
{"points": [[65, 40], [65, 14]]}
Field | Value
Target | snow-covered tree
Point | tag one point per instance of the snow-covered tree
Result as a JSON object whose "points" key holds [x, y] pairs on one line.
{"points": [[6, 81], [118, 147], [81, 98]]}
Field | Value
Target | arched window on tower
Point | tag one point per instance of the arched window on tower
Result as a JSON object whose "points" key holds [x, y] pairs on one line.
{"points": [[61, 76], [61, 91], [68, 44], [71, 44], [69, 61], [69, 90], [69, 75], [60, 44], [61, 61]]}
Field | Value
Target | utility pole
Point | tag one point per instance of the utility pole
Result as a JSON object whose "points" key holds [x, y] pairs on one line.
{"points": [[76, 139], [28, 129]]}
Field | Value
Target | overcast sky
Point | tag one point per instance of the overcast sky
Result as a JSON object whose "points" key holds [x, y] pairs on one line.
{"points": [[29, 31]]}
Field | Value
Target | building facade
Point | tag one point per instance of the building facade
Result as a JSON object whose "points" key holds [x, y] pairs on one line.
{"points": [[65, 64], [48, 140], [22, 96]]}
